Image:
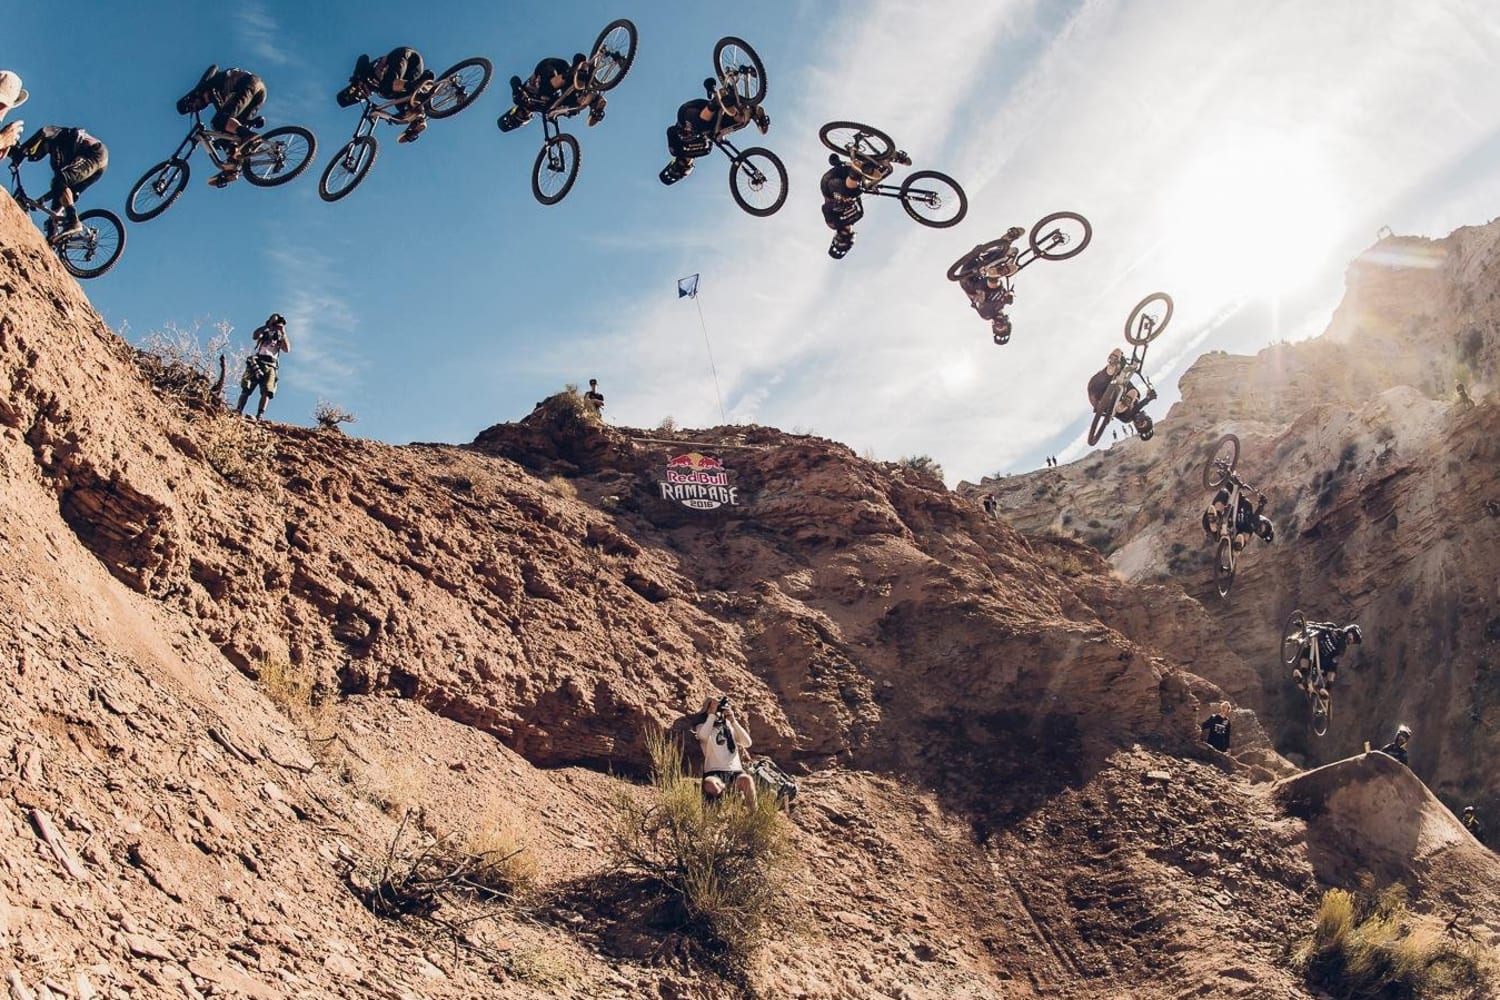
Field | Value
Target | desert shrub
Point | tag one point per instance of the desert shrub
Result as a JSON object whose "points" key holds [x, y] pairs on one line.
{"points": [[668, 425], [563, 487], [289, 688], [180, 365], [240, 450], [727, 867], [545, 968], [1370, 946], [922, 464], [329, 415], [503, 865]]}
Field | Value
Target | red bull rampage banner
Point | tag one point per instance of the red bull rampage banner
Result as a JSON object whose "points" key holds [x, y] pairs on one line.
{"points": [[698, 481]]}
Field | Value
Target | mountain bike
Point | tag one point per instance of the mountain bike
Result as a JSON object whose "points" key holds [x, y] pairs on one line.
{"points": [[266, 160], [1058, 236], [931, 198], [757, 177], [1299, 641], [449, 93], [89, 252], [1219, 473], [556, 167], [1147, 321]]}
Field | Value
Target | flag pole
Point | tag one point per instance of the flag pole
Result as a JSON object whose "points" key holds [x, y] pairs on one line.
{"points": [[706, 344]]}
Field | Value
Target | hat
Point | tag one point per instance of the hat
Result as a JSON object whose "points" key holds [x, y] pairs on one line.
{"points": [[11, 92]]}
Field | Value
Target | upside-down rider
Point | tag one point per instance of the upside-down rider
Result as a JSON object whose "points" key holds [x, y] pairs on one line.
{"points": [[554, 84], [1332, 641], [396, 75], [986, 284], [237, 96], [78, 160], [1131, 404], [1248, 518], [702, 120]]}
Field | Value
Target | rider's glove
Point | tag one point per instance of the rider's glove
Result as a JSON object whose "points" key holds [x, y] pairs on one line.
{"points": [[900, 157]]}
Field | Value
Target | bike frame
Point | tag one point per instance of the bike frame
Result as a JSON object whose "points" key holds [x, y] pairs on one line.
{"points": [[201, 135], [379, 111], [21, 198]]}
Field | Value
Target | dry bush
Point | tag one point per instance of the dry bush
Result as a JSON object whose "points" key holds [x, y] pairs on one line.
{"points": [[329, 415], [504, 866], [563, 487], [728, 866], [180, 365], [668, 425], [398, 789], [1368, 946], [288, 687], [542, 967], [924, 465], [240, 450]]}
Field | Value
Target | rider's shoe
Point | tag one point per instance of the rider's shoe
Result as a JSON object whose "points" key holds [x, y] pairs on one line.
{"points": [[67, 226], [1150, 395], [596, 111], [1238, 543], [676, 170], [841, 244], [514, 118], [762, 120], [899, 156], [413, 130], [1001, 328], [224, 177]]}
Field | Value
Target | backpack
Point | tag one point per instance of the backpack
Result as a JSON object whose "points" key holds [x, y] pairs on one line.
{"points": [[769, 777]]}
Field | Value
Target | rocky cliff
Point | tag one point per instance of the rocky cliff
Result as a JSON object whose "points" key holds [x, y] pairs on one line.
{"points": [[244, 657], [1381, 478]]}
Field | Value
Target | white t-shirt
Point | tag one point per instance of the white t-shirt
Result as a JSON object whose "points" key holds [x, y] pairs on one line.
{"points": [[716, 753]]}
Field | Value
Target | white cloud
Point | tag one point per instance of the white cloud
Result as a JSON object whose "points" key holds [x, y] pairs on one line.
{"points": [[321, 323]]}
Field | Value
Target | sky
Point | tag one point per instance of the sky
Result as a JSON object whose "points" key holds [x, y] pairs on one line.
{"points": [[1234, 155]]}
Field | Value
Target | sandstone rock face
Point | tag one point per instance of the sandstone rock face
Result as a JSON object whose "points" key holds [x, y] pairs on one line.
{"points": [[1002, 794], [1380, 478]]}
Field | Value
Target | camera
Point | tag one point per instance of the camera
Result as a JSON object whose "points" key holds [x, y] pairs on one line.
{"points": [[723, 704]]}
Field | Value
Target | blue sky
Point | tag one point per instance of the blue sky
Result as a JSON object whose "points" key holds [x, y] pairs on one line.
{"points": [[1235, 155]]}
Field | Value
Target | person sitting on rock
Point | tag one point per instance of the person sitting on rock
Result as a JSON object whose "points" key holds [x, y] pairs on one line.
{"points": [[1216, 728], [1397, 747], [1332, 642], [1471, 823], [260, 367], [721, 736]]}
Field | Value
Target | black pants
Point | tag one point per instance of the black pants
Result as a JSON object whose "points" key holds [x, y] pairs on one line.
{"points": [[79, 173], [242, 104]]}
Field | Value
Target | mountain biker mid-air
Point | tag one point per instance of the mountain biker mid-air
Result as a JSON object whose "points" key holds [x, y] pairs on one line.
{"points": [[78, 160], [1332, 642], [237, 96], [397, 74], [556, 83], [700, 121], [1248, 520], [1131, 401], [986, 286]]}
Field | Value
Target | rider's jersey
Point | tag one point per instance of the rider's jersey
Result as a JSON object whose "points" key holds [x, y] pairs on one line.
{"points": [[268, 343], [1331, 645], [62, 145], [1216, 732], [1471, 823], [401, 63], [834, 183]]}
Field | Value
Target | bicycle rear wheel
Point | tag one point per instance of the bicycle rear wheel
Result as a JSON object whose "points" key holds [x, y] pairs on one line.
{"points": [[1104, 413], [969, 262], [348, 168], [1322, 711], [1221, 461], [1224, 567], [854, 139], [613, 54], [1294, 638], [95, 250], [459, 86], [1060, 235], [740, 69], [934, 199], [154, 193], [279, 155], [555, 170], [1149, 318], [757, 179]]}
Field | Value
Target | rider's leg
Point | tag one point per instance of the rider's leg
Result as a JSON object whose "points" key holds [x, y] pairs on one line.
{"points": [[1125, 408], [595, 103]]}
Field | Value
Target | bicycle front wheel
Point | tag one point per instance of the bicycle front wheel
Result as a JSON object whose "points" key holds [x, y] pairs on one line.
{"points": [[346, 170], [458, 87], [934, 199], [613, 54], [95, 250], [154, 193], [279, 156], [1294, 638], [1149, 318], [757, 179], [740, 69], [1221, 460], [1060, 235], [555, 170]]}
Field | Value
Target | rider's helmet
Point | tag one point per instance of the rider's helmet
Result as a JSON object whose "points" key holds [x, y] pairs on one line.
{"points": [[1468, 810], [1403, 732], [1265, 529], [1353, 633]]}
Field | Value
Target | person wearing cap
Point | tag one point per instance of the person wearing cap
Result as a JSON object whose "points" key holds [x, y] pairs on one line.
{"points": [[237, 96], [78, 160], [260, 367], [1471, 823], [594, 397], [12, 95], [1397, 747]]}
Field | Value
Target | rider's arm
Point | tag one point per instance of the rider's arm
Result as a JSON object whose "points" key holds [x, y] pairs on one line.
{"points": [[35, 146]]}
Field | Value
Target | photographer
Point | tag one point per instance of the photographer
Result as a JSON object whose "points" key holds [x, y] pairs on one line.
{"points": [[721, 736], [260, 367]]}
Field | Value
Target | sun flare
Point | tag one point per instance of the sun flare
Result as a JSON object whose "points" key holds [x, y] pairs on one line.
{"points": [[1249, 217]]}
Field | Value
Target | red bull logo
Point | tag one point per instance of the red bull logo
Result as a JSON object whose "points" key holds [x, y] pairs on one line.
{"points": [[698, 481]]}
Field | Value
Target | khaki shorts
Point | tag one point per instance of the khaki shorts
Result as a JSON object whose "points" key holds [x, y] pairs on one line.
{"points": [[260, 371]]}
